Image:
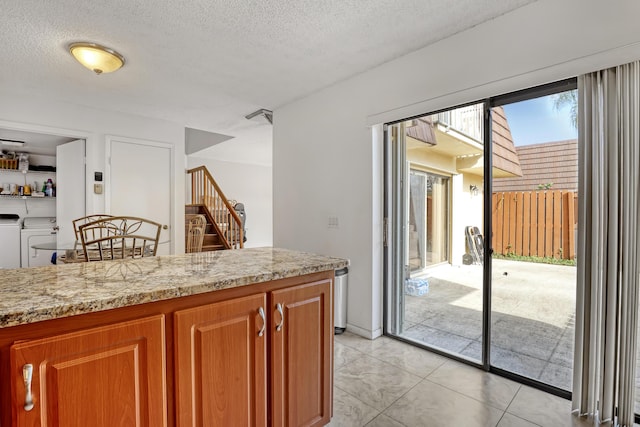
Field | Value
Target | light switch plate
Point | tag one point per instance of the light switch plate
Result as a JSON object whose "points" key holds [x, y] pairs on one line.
{"points": [[97, 188]]}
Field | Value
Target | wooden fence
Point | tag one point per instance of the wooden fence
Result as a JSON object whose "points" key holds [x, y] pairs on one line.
{"points": [[535, 223]]}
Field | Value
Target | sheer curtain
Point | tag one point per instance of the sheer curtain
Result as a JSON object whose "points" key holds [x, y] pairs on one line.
{"points": [[607, 296]]}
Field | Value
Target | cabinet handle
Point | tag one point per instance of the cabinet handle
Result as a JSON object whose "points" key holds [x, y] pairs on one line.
{"points": [[264, 321], [279, 325], [27, 375]]}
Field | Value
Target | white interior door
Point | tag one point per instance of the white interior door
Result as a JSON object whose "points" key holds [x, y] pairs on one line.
{"points": [[70, 187], [140, 183]]}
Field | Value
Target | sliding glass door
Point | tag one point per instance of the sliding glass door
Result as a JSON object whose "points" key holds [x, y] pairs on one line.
{"points": [[534, 223], [438, 219], [481, 247]]}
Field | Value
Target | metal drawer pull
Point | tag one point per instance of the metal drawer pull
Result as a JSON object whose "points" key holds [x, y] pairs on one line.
{"points": [[27, 374], [279, 325], [264, 321]]}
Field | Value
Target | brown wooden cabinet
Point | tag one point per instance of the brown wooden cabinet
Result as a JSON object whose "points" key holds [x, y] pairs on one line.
{"points": [[106, 376], [301, 350], [258, 355], [221, 363], [221, 359]]}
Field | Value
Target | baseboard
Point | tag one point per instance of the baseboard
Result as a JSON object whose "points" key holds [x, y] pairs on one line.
{"points": [[365, 333]]}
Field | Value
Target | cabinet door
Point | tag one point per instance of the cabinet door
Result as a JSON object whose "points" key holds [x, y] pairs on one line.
{"points": [[221, 364], [106, 376], [301, 354]]}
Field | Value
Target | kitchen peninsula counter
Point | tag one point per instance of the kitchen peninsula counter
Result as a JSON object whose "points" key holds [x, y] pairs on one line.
{"points": [[44, 293], [216, 338]]}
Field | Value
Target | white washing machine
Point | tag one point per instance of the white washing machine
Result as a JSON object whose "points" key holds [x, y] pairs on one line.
{"points": [[37, 230], [9, 241]]}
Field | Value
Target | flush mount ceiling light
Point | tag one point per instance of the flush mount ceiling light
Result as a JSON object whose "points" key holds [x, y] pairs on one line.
{"points": [[98, 59]]}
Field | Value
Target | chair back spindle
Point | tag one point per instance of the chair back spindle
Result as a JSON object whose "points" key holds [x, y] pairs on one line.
{"points": [[119, 237], [195, 229]]}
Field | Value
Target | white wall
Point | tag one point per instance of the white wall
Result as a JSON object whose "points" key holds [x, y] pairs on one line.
{"points": [[327, 156], [58, 118], [250, 184]]}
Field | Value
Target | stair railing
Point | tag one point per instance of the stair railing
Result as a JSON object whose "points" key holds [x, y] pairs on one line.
{"points": [[226, 221]]}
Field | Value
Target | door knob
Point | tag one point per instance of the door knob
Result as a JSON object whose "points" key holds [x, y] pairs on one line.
{"points": [[165, 227]]}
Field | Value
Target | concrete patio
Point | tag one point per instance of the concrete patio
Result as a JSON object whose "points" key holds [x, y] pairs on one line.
{"points": [[533, 309]]}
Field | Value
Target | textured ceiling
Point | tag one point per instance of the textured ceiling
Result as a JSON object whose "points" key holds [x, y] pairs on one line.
{"points": [[207, 63]]}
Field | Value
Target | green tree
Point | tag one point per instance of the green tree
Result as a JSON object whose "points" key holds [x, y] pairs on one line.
{"points": [[569, 98]]}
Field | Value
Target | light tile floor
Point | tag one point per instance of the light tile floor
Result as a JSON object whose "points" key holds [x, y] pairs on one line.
{"points": [[387, 383]]}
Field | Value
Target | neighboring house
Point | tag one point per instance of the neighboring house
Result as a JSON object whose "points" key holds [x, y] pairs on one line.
{"points": [[446, 162], [550, 165]]}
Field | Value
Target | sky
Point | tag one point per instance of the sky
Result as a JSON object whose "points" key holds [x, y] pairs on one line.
{"points": [[536, 120]]}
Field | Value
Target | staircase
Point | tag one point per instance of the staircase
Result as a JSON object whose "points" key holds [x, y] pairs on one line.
{"points": [[224, 226]]}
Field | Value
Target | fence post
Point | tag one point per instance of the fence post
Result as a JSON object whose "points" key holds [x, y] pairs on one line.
{"points": [[519, 200], [511, 205], [541, 223], [533, 225], [497, 222], [557, 224], [567, 224]]}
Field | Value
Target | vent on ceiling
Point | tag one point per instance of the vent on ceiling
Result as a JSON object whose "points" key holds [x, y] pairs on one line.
{"points": [[267, 114]]}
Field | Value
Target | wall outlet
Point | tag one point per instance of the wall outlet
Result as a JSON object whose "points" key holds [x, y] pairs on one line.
{"points": [[97, 188], [333, 222]]}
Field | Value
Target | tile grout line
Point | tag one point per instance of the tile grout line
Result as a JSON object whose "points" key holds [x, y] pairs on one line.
{"points": [[470, 397], [403, 369], [506, 411], [364, 403], [402, 424], [400, 397]]}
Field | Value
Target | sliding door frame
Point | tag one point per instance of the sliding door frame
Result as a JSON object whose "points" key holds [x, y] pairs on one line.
{"points": [[390, 232]]}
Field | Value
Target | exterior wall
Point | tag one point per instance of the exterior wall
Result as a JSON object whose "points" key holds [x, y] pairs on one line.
{"points": [[465, 208], [434, 162], [470, 210], [327, 154]]}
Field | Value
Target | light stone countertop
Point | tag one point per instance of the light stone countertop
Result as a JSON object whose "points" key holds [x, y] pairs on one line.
{"points": [[42, 293]]}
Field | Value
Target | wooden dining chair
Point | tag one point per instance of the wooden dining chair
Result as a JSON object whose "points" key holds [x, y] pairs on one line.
{"points": [[85, 220], [77, 255], [119, 237], [195, 226]]}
